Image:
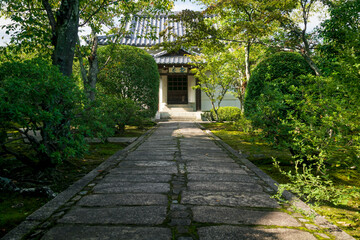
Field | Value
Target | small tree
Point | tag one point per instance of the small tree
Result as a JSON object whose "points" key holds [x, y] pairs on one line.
{"points": [[131, 74], [216, 73], [39, 104]]}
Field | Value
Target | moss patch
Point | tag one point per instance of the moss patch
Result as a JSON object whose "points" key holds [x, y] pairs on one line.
{"points": [[346, 216]]}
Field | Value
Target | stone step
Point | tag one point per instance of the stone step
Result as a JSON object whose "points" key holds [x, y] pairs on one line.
{"points": [[180, 115], [179, 108]]}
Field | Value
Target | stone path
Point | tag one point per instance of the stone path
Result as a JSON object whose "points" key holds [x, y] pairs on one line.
{"points": [[178, 184]]}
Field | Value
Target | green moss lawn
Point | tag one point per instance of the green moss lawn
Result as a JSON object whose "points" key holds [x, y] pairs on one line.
{"points": [[346, 216]]}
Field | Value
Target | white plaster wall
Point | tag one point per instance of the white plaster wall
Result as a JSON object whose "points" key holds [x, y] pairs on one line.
{"points": [[162, 92], [228, 100], [191, 92]]}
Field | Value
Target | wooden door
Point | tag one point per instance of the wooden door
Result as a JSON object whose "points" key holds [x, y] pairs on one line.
{"points": [[177, 89]]}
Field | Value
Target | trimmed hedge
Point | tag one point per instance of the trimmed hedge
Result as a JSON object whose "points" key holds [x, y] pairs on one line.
{"points": [[225, 114], [130, 74], [270, 94]]}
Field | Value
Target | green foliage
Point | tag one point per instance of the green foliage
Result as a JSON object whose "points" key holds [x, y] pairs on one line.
{"points": [[315, 188], [39, 104], [216, 71], [266, 103], [131, 74], [121, 111], [316, 118], [228, 113]]}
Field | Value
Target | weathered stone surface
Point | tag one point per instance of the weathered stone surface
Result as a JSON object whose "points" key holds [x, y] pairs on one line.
{"points": [[239, 233], [107, 233], [150, 157], [224, 187], [180, 222], [212, 164], [116, 215], [145, 170], [228, 199], [219, 169], [190, 158], [147, 164], [148, 178], [101, 200], [228, 215], [131, 187], [216, 177]]}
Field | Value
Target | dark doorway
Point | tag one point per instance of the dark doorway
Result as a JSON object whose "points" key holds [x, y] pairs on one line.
{"points": [[177, 89]]}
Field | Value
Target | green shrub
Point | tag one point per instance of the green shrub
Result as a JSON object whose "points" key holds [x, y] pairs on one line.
{"points": [[227, 113], [121, 111], [130, 74], [269, 98], [35, 96], [316, 118]]}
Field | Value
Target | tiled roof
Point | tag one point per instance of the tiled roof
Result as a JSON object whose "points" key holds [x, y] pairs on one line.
{"points": [[139, 27], [172, 60], [165, 58]]}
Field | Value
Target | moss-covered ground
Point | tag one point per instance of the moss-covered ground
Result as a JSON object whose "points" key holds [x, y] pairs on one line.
{"points": [[346, 216], [14, 207]]}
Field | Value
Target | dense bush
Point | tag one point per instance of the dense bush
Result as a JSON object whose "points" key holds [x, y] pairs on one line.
{"points": [[39, 104], [269, 97], [227, 113], [130, 75]]}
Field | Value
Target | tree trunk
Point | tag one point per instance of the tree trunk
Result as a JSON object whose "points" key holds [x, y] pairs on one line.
{"points": [[311, 63], [93, 70], [247, 60], [65, 35]]}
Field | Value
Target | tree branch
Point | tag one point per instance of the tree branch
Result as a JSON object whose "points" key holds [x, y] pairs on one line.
{"points": [[50, 14], [102, 5]]}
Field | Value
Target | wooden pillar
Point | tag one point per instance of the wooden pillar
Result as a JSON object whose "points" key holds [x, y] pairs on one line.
{"points": [[198, 97]]}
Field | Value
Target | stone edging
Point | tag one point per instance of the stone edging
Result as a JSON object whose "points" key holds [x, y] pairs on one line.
{"points": [[293, 200], [47, 210]]}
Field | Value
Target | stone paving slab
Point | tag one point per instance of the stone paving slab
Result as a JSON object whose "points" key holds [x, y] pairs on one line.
{"points": [[206, 214], [245, 233], [78, 232], [210, 169], [212, 164], [131, 187], [233, 199], [190, 158], [224, 187], [147, 170], [102, 200], [154, 152], [216, 177], [150, 157], [147, 164], [153, 215], [161, 178]]}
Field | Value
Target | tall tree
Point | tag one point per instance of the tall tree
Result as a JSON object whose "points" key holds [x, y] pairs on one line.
{"points": [[54, 24], [60, 20], [108, 18], [245, 22]]}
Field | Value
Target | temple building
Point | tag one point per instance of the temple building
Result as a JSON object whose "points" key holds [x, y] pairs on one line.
{"points": [[177, 98]]}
